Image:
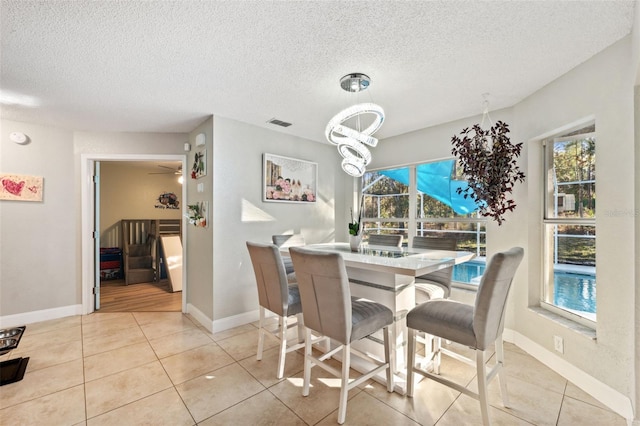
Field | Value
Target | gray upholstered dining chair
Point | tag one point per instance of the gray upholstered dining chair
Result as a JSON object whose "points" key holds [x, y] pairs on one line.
{"points": [[276, 295], [477, 326], [436, 285], [288, 240], [329, 310], [391, 240]]}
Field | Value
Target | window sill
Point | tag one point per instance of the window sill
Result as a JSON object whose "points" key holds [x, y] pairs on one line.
{"points": [[583, 330]]}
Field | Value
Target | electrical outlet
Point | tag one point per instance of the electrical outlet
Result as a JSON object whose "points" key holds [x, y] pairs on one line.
{"points": [[558, 344]]}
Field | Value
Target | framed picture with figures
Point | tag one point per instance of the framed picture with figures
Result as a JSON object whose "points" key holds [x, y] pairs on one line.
{"points": [[289, 180]]}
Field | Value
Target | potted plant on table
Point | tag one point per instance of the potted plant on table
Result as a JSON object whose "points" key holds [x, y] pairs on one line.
{"points": [[355, 228]]}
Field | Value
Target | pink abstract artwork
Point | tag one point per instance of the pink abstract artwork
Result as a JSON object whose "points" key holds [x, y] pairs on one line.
{"points": [[20, 187]]}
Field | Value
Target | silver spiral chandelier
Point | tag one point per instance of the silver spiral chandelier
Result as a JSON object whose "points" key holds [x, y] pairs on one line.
{"points": [[353, 143]]}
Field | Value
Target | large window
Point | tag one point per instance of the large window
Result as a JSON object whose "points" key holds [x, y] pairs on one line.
{"points": [[442, 212], [386, 201], [569, 284], [422, 200]]}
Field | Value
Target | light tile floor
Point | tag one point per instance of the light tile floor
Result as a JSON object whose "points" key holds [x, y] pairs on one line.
{"points": [[164, 369]]}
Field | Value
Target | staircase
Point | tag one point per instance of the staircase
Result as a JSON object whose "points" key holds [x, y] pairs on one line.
{"points": [[139, 264], [140, 249], [137, 241]]}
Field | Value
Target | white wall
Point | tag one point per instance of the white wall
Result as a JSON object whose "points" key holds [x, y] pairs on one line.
{"points": [[200, 240], [239, 214], [637, 246], [37, 239], [602, 88], [636, 61]]}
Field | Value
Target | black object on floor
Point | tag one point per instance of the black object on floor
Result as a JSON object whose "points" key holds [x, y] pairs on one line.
{"points": [[12, 370], [9, 338]]}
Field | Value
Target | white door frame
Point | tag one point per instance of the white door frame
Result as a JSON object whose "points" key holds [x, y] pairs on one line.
{"points": [[87, 163]]}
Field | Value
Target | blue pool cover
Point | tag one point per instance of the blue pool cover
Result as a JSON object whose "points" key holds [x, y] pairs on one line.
{"points": [[434, 179]]}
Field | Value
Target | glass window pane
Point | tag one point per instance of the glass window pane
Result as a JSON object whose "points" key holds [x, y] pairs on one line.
{"points": [[571, 191], [385, 227], [570, 273], [437, 185], [386, 193]]}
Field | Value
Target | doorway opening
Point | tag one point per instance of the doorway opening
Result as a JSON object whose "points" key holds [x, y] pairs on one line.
{"points": [[132, 207]]}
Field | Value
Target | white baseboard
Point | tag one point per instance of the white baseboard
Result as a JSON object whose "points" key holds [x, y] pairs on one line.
{"points": [[235, 320], [225, 323], [204, 320], [610, 397], [37, 316]]}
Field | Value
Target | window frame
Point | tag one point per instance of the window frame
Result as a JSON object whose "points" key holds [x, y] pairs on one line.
{"points": [[413, 220], [549, 219]]}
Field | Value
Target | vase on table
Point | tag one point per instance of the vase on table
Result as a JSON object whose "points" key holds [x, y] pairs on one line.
{"points": [[355, 241]]}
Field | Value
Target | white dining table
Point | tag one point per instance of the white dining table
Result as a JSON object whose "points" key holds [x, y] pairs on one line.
{"points": [[387, 275]]}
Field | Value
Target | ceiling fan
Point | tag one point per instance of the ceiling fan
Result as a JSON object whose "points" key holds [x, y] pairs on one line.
{"points": [[168, 170]]}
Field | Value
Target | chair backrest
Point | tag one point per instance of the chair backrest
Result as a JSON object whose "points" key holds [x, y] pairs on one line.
{"points": [[491, 299], [442, 276], [288, 240], [434, 243], [271, 278], [324, 292], [391, 240]]}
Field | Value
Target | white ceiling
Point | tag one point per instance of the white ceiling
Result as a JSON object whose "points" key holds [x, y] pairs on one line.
{"points": [[164, 66]]}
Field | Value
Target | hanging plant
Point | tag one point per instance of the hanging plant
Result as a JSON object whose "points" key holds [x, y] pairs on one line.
{"points": [[488, 160]]}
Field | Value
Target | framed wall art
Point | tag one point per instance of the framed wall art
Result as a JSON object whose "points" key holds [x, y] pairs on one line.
{"points": [[289, 180], [198, 214], [199, 167], [20, 187]]}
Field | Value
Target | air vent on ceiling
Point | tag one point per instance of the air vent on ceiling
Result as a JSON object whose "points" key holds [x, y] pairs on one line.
{"points": [[279, 122]]}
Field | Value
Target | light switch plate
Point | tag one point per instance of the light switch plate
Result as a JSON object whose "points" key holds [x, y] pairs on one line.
{"points": [[200, 187]]}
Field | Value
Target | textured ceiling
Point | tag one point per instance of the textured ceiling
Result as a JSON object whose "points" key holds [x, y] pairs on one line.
{"points": [[166, 65]]}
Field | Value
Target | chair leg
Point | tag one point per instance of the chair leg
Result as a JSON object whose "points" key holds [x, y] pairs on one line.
{"points": [[482, 386], [437, 354], [260, 334], [387, 359], [307, 362], [411, 359], [429, 347], [344, 385], [283, 347], [300, 327], [501, 375], [392, 358]]}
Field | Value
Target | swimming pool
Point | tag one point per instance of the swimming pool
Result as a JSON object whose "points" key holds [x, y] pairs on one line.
{"points": [[572, 291], [575, 291]]}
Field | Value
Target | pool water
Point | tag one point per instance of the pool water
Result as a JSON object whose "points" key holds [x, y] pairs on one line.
{"points": [[575, 291], [466, 272], [572, 291]]}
